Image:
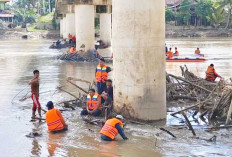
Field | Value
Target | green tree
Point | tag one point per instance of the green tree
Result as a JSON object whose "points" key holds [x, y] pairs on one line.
{"points": [[169, 15], [185, 11], [24, 16], [216, 17], [204, 9], [228, 5]]}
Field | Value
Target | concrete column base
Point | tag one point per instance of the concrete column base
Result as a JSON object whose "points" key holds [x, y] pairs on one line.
{"points": [[84, 16], [61, 28], [65, 34], [105, 28], [70, 24], [139, 60]]}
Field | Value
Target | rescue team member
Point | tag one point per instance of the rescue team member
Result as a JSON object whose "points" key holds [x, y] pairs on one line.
{"points": [[176, 52], [211, 74], [101, 75], [54, 119], [170, 53], [35, 93], [197, 51], [108, 94], [70, 38], [72, 50], [93, 104], [111, 129]]}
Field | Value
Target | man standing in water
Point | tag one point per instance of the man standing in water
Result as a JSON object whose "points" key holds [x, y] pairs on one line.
{"points": [[35, 93], [102, 75]]}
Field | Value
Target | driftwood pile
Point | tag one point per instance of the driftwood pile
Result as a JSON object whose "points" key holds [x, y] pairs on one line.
{"points": [[211, 100]]}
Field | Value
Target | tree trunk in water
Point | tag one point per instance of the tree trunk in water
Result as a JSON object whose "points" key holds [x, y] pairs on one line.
{"points": [[49, 5], [228, 20], [43, 6]]}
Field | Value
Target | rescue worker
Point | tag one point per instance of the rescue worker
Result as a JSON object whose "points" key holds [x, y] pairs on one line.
{"points": [[211, 74], [111, 129], [93, 104], [101, 75], [72, 50], [197, 51], [35, 93], [108, 94], [54, 119], [176, 52], [170, 53], [74, 40], [70, 38]]}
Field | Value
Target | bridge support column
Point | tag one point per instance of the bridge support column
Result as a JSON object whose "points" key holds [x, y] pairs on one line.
{"points": [[65, 35], [61, 27], [139, 59], [84, 16], [105, 28], [70, 24]]}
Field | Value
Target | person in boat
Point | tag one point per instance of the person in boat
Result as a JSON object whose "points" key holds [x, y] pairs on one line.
{"points": [[101, 75], [72, 49], [35, 93], [107, 95], [111, 129], [58, 44], [170, 53], [211, 74], [176, 52], [93, 104], [54, 119], [166, 48], [70, 38], [197, 51]]}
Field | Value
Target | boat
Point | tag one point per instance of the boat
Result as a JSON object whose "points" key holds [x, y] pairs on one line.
{"points": [[186, 60]]}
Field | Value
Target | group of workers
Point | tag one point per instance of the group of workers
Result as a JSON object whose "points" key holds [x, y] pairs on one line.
{"points": [[170, 54], [95, 100]]}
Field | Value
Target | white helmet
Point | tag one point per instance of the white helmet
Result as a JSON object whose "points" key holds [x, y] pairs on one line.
{"points": [[119, 117]]}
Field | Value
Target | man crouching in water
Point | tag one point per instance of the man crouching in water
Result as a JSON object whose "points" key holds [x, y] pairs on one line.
{"points": [[54, 119], [111, 129], [35, 93]]}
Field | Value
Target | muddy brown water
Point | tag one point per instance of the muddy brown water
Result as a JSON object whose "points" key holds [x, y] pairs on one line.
{"points": [[19, 58]]}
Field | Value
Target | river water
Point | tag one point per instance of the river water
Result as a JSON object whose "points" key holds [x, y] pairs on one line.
{"points": [[19, 58]]}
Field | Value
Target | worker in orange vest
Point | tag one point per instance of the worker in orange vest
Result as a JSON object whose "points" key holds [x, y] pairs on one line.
{"points": [[93, 104], [211, 74], [197, 51], [101, 75], [111, 129], [54, 119], [170, 53], [176, 52], [72, 50]]}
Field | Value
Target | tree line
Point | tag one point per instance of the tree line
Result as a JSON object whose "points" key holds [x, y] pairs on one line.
{"points": [[215, 13]]}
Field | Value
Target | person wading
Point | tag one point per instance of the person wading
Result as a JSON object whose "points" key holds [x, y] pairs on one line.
{"points": [[211, 74], [101, 75], [54, 119], [35, 93], [111, 129], [93, 104]]}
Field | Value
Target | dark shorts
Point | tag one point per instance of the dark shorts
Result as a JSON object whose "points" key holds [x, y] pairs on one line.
{"points": [[95, 113]]}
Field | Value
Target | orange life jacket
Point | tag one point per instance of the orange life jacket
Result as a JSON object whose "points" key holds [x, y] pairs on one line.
{"points": [[101, 74], [53, 120], [197, 52], [92, 102], [109, 129], [170, 54], [210, 76], [72, 50], [177, 53]]}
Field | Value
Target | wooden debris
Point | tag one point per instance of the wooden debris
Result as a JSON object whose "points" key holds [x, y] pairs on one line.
{"points": [[188, 123], [168, 132]]}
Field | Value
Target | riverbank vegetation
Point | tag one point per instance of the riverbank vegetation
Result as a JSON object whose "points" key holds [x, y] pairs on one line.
{"points": [[198, 13]]}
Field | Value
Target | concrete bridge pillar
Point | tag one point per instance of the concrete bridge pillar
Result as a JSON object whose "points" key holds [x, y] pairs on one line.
{"points": [[70, 24], [105, 28], [84, 16], [61, 27], [139, 60], [65, 35]]}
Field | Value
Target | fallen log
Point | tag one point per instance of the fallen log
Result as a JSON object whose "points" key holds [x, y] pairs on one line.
{"points": [[168, 132], [78, 87], [188, 123]]}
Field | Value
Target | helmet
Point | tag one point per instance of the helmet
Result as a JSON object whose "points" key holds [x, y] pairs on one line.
{"points": [[119, 117]]}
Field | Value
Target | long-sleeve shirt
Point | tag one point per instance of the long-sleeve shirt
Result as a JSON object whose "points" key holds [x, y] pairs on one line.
{"points": [[120, 131], [61, 117]]}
